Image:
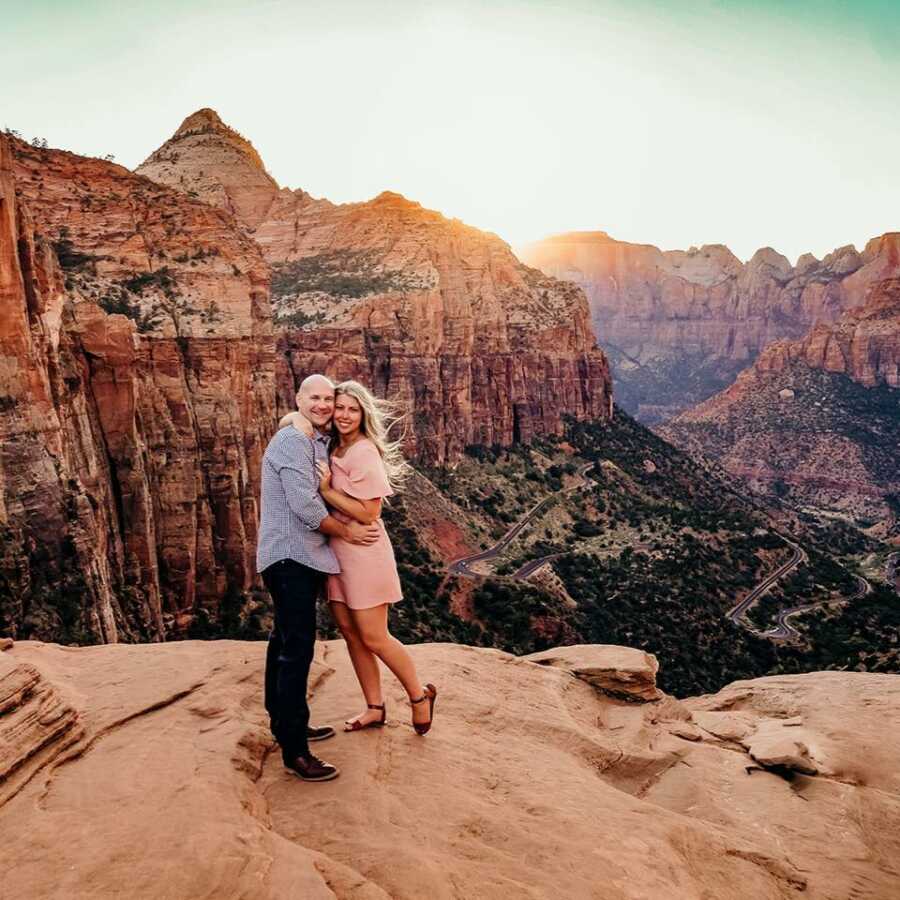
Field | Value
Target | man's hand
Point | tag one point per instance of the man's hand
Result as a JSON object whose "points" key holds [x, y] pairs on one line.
{"points": [[357, 533], [324, 473]]}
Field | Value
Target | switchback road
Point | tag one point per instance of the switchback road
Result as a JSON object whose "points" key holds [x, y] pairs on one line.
{"points": [[783, 631], [737, 612], [463, 566]]}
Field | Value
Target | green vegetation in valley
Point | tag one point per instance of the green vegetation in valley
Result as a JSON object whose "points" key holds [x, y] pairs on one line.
{"points": [[656, 551]]}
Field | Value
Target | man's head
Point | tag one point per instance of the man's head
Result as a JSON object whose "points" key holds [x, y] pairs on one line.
{"points": [[315, 400]]}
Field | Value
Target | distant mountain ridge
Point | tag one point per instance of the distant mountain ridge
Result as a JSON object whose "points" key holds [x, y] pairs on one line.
{"points": [[679, 325]]}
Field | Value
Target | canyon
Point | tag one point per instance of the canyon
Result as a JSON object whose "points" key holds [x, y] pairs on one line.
{"points": [[151, 335], [680, 325]]}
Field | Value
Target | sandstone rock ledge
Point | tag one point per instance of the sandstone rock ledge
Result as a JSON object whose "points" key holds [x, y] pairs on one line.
{"points": [[145, 771]]}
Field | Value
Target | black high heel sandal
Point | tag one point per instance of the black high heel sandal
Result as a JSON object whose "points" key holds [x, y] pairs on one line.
{"points": [[356, 725], [430, 695]]}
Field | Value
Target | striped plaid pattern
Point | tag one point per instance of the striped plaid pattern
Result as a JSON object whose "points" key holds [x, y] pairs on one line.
{"points": [[291, 506]]}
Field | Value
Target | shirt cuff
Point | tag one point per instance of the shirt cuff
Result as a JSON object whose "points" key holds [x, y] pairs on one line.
{"points": [[315, 527]]}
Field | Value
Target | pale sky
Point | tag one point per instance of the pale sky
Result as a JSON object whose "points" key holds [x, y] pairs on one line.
{"points": [[676, 124]]}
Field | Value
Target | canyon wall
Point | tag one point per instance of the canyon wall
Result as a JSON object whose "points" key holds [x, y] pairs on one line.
{"points": [[443, 317], [138, 395], [141, 375], [817, 419], [680, 325]]}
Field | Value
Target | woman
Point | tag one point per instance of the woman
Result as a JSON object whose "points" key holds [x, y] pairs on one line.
{"points": [[365, 466]]}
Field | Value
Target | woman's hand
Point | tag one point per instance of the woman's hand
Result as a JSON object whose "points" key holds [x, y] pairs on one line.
{"points": [[324, 477]]}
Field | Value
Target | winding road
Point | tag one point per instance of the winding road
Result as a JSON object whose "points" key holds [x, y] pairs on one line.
{"points": [[782, 631], [739, 610], [890, 570], [463, 566]]}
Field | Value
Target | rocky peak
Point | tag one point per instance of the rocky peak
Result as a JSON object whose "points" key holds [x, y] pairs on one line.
{"points": [[771, 260], [203, 118], [392, 198], [706, 265], [843, 261], [207, 159], [806, 263], [887, 246]]}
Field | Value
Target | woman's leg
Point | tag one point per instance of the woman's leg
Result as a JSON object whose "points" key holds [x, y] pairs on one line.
{"points": [[364, 662], [372, 626]]}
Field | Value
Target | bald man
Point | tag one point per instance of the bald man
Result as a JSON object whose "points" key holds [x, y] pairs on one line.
{"points": [[293, 557]]}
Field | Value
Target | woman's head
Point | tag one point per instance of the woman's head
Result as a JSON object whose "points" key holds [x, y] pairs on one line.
{"points": [[357, 409]]}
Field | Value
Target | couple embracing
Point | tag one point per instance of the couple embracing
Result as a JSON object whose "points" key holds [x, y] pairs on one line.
{"points": [[325, 475]]}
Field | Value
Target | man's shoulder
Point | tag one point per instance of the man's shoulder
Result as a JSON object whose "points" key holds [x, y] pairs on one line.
{"points": [[289, 440]]}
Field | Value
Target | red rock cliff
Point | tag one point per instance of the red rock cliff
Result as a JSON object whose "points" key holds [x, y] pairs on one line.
{"points": [[141, 375], [480, 348], [651, 303], [798, 420]]}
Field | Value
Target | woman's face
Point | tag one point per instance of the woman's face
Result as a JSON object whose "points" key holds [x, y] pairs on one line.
{"points": [[347, 415]]}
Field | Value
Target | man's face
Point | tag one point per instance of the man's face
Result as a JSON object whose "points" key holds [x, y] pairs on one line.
{"points": [[316, 402]]}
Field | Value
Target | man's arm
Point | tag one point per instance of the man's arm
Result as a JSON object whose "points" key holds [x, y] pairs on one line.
{"points": [[303, 497], [354, 532], [298, 478]]}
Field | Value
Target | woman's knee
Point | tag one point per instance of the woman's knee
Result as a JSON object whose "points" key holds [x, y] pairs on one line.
{"points": [[375, 640], [350, 634]]}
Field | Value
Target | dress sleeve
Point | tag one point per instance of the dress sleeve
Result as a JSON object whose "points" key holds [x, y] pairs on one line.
{"points": [[367, 476]]}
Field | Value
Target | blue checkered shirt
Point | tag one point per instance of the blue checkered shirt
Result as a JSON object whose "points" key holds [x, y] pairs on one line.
{"points": [[291, 507]]}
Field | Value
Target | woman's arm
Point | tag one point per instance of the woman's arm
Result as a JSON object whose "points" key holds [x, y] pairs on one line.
{"points": [[365, 511]]}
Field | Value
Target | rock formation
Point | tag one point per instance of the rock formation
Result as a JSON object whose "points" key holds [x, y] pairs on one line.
{"points": [[818, 417], [438, 315], [681, 324], [136, 396], [532, 782]]}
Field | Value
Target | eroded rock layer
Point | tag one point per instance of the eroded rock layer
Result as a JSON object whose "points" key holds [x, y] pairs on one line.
{"points": [[681, 324], [817, 418], [441, 316], [137, 392], [536, 780]]}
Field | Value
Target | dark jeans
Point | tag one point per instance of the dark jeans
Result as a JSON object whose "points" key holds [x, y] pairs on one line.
{"points": [[295, 589]]}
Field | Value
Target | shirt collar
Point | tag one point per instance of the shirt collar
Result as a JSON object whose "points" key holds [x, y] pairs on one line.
{"points": [[319, 437]]}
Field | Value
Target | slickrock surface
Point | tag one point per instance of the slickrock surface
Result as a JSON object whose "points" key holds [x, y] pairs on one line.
{"points": [[679, 310], [425, 309], [619, 671], [136, 395], [148, 769], [820, 415]]}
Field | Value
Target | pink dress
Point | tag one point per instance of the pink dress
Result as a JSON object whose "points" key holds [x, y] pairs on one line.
{"points": [[368, 572]]}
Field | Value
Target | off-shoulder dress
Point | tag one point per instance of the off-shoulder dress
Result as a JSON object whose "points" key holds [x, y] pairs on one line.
{"points": [[368, 575]]}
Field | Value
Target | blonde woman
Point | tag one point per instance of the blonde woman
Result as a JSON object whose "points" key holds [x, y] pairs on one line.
{"points": [[365, 468]]}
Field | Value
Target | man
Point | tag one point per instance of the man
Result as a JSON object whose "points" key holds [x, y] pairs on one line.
{"points": [[293, 556]]}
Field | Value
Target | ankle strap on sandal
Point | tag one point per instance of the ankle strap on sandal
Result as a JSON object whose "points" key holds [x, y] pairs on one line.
{"points": [[375, 706]]}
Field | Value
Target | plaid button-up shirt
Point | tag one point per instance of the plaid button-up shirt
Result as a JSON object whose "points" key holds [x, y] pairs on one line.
{"points": [[291, 506]]}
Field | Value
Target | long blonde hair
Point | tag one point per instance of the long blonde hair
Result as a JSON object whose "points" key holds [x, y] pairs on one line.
{"points": [[379, 417]]}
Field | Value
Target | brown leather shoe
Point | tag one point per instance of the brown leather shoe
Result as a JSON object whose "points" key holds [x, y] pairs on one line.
{"points": [[319, 733], [311, 768]]}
